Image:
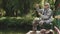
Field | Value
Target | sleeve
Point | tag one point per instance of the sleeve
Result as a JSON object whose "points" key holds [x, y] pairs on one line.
{"points": [[49, 13], [39, 10]]}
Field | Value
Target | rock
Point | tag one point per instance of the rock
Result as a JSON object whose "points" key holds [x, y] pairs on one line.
{"points": [[31, 32]]}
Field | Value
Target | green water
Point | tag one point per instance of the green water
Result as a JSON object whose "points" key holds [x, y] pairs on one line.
{"points": [[18, 31], [12, 32]]}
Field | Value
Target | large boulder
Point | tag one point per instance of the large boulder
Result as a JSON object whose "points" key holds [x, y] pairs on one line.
{"points": [[31, 32]]}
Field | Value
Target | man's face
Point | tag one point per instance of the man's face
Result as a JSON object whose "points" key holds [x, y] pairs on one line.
{"points": [[46, 6]]}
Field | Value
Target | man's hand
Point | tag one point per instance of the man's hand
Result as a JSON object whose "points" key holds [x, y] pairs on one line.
{"points": [[37, 6], [39, 14]]}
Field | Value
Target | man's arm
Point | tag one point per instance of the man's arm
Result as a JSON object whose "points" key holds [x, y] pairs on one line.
{"points": [[57, 30], [38, 9], [49, 12]]}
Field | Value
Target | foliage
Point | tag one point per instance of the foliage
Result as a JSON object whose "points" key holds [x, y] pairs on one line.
{"points": [[20, 7], [14, 22], [18, 22]]}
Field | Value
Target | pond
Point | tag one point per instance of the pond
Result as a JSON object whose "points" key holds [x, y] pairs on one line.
{"points": [[18, 31], [13, 32]]}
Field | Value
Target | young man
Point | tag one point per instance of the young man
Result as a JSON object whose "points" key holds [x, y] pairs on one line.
{"points": [[46, 16]]}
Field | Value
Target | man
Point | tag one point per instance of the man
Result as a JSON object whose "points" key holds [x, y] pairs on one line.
{"points": [[46, 16]]}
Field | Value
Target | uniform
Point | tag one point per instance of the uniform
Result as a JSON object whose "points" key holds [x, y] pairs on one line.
{"points": [[46, 17]]}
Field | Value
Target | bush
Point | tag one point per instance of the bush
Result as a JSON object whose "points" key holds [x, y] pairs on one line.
{"points": [[18, 22], [10, 22]]}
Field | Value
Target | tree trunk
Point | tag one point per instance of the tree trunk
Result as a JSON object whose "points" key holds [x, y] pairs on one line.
{"points": [[26, 6]]}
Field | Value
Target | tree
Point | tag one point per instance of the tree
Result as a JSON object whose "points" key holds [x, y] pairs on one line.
{"points": [[57, 12]]}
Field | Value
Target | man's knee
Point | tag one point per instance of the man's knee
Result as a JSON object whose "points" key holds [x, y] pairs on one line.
{"points": [[35, 21]]}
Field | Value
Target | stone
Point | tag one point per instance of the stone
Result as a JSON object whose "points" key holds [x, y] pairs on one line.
{"points": [[31, 32]]}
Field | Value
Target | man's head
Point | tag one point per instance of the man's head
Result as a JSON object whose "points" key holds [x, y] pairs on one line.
{"points": [[46, 5]]}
